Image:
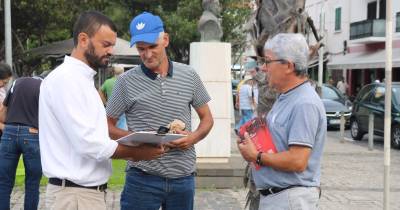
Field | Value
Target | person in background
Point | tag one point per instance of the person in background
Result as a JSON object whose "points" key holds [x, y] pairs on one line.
{"points": [[250, 69], [342, 85], [5, 76], [106, 90], [247, 94], [19, 114], [289, 178], [331, 81]]}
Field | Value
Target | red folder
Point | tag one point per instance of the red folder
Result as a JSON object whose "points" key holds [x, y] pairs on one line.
{"points": [[259, 133]]}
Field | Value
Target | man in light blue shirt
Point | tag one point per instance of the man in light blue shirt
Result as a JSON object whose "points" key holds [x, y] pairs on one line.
{"points": [[290, 178]]}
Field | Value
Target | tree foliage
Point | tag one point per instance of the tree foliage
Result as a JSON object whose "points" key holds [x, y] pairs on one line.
{"points": [[40, 22]]}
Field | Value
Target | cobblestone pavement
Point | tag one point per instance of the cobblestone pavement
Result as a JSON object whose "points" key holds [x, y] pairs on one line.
{"points": [[352, 178]]}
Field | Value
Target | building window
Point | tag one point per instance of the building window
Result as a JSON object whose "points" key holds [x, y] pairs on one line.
{"points": [[338, 18], [398, 22]]}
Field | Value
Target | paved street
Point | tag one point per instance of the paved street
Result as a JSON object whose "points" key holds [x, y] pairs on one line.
{"points": [[352, 178]]}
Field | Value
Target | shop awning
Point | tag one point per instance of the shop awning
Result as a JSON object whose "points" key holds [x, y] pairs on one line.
{"points": [[364, 60]]}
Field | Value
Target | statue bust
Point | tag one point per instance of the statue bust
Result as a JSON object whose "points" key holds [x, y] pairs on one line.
{"points": [[209, 24]]}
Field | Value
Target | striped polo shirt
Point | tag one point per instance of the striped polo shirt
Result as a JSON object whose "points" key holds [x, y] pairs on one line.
{"points": [[150, 101]]}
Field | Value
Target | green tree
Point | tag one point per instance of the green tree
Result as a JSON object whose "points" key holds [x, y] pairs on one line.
{"points": [[39, 22], [181, 18]]}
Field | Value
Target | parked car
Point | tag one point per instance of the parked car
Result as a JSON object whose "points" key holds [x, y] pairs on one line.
{"points": [[371, 99], [335, 103]]}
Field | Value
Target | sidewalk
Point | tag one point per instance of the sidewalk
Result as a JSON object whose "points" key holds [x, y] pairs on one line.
{"points": [[352, 176], [352, 179]]}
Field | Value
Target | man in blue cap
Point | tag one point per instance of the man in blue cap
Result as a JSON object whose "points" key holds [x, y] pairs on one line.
{"points": [[151, 95]]}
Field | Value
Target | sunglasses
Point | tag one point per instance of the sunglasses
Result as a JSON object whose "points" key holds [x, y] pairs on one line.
{"points": [[162, 130], [265, 61]]}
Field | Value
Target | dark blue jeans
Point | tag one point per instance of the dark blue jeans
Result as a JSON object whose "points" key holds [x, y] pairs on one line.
{"points": [[143, 191], [17, 140]]}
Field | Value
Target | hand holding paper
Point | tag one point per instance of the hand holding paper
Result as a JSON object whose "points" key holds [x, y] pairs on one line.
{"points": [[150, 137], [247, 148], [183, 143], [148, 152], [259, 136]]}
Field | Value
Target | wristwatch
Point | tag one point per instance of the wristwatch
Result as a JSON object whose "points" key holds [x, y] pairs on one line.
{"points": [[258, 160]]}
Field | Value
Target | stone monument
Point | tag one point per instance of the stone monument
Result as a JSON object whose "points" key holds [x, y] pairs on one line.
{"points": [[212, 61], [209, 23]]}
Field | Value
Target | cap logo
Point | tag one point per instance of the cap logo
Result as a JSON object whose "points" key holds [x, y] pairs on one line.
{"points": [[140, 26]]}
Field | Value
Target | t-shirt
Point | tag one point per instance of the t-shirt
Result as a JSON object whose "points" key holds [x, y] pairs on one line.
{"points": [[342, 86], [22, 102], [108, 86], [245, 97], [297, 118], [150, 101]]}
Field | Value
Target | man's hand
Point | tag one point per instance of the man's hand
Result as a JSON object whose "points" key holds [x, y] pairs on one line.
{"points": [[247, 148], [182, 143], [149, 152], [140, 152], [237, 105]]}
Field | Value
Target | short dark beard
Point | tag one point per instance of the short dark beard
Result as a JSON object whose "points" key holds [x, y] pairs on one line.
{"points": [[93, 60]]}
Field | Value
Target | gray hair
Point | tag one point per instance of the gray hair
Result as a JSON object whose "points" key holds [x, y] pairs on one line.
{"points": [[291, 47]]}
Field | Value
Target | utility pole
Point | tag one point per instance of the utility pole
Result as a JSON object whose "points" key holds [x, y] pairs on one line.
{"points": [[7, 30], [388, 105], [321, 49]]}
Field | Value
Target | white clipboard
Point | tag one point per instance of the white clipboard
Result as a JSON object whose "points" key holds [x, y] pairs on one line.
{"points": [[150, 137]]}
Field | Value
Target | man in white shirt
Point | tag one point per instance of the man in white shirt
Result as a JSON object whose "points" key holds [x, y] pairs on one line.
{"points": [[74, 141], [342, 85]]}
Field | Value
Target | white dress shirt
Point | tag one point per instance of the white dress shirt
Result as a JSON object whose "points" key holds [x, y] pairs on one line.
{"points": [[74, 140]]}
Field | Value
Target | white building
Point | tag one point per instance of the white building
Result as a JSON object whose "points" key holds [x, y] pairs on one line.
{"points": [[355, 39]]}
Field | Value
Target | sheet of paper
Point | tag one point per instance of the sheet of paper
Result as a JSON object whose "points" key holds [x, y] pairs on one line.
{"points": [[137, 138]]}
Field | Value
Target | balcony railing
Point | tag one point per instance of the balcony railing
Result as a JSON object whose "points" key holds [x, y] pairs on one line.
{"points": [[398, 22], [367, 28]]}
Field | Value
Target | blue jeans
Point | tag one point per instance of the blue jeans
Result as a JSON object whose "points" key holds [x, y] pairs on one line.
{"points": [[143, 191], [17, 140], [247, 114]]}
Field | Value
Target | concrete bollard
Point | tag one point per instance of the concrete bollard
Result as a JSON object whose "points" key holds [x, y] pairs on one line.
{"points": [[371, 132], [342, 124]]}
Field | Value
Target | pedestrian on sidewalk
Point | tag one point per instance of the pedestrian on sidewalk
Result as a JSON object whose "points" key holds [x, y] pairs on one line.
{"points": [[19, 114], [342, 85], [247, 94], [290, 178], [75, 146], [151, 95]]}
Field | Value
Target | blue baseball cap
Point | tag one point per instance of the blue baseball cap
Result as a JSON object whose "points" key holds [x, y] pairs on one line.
{"points": [[250, 65], [146, 27]]}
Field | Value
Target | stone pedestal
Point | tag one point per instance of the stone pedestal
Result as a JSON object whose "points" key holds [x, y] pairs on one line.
{"points": [[212, 61]]}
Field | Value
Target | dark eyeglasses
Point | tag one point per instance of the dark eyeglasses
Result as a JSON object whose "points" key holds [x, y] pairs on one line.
{"points": [[162, 130], [262, 60]]}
